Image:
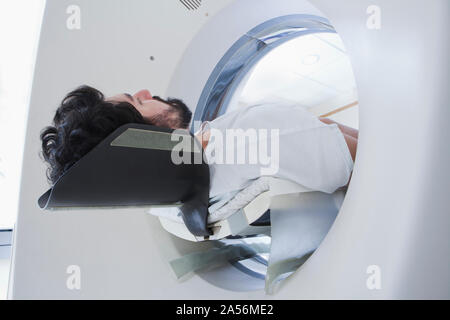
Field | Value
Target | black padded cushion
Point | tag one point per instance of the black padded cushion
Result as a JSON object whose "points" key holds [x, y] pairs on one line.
{"points": [[114, 175]]}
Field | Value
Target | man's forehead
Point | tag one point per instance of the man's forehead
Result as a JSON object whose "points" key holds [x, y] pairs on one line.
{"points": [[121, 96], [128, 97]]}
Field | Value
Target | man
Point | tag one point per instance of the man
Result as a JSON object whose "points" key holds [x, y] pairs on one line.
{"points": [[317, 154], [85, 118]]}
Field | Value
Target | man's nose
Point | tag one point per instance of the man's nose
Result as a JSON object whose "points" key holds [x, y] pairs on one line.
{"points": [[144, 95]]}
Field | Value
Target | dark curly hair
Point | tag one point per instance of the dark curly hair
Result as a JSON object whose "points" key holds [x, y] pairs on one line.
{"points": [[81, 122]]}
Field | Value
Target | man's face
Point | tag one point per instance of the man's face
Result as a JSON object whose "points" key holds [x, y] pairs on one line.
{"points": [[172, 113]]}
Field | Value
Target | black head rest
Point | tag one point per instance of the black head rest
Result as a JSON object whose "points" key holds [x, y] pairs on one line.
{"points": [[134, 166]]}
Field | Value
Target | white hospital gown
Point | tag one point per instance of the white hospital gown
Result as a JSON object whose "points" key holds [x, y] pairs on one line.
{"points": [[311, 153]]}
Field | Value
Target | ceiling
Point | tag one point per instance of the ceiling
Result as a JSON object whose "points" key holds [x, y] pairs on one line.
{"points": [[312, 70]]}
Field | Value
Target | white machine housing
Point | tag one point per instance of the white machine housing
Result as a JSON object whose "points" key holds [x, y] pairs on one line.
{"points": [[395, 215]]}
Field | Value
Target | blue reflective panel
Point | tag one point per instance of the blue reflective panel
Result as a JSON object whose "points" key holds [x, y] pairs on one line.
{"points": [[245, 53]]}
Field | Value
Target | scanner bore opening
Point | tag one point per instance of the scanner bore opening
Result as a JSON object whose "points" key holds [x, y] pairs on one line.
{"points": [[232, 84]]}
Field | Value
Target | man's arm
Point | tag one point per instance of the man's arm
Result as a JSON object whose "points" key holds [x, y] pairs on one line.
{"points": [[344, 129], [350, 135], [352, 145]]}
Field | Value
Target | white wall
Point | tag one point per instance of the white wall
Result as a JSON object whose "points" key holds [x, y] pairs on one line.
{"points": [[4, 275], [348, 117], [19, 31], [396, 211]]}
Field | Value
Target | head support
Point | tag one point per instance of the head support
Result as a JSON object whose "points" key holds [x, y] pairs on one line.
{"points": [[134, 166]]}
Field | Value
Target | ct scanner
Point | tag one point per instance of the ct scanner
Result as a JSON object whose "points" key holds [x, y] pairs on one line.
{"points": [[395, 216]]}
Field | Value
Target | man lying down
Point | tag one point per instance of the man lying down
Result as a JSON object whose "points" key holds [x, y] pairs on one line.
{"points": [[316, 153]]}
